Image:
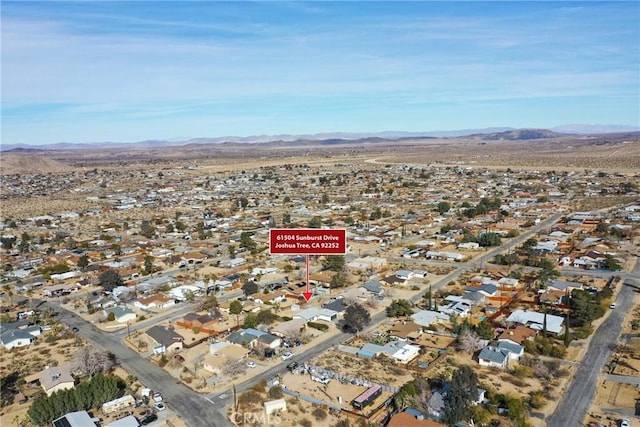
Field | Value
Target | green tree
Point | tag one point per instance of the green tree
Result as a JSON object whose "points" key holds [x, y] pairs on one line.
{"points": [[232, 251], [338, 280], [250, 320], [325, 198], [333, 262], [429, 297], [7, 242], [209, 303], [83, 261], [266, 317], [148, 264], [610, 263], [356, 317], [111, 316], [485, 330], [584, 310], [489, 239], [117, 249], [250, 288], [246, 240], [399, 308], [110, 279], [315, 222], [461, 395], [235, 308], [146, 229], [443, 207]]}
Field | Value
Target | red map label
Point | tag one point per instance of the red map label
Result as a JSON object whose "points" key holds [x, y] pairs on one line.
{"points": [[312, 241]]}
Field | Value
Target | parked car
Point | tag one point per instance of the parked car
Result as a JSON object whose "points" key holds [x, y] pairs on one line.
{"points": [[157, 397], [251, 364], [292, 366], [613, 305], [624, 422], [148, 419], [159, 406], [75, 329], [287, 355]]}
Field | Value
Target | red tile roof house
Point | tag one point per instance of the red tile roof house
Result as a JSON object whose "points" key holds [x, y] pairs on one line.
{"points": [[154, 301]]}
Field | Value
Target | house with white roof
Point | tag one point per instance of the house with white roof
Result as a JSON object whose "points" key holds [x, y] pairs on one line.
{"points": [[535, 320], [398, 350], [313, 314], [426, 317]]}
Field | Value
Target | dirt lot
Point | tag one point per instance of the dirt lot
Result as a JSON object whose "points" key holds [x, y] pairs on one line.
{"points": [[22, 362]]}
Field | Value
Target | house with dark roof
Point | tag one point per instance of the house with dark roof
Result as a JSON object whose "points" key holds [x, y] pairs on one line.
{"points": [[76, 419], [16, 338], [338, 305], [374, 287], [250, 337], [494, 357], [167, 339]]}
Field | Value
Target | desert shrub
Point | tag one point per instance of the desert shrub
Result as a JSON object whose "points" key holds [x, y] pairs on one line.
{"points": [[163, 361], [319, 414], [537, 399], [306, 423], [521, 371], [275, 392], [249, 398]]}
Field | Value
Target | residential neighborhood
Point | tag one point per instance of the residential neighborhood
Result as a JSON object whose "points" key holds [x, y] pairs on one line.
{"points": [[450, 275]]}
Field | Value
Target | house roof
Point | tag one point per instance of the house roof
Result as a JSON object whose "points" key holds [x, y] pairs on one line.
{"points": [[517, 334], [404, 329], [75, 419], [313, 313], [155, 298], [562, 285], [510, 347], [427, 317], [337, 305], [128, 421], [14, 335], [405, 419], [119, 311], [55, 375], [535, 320], [373, 287], [164, 336], [494, 354]]}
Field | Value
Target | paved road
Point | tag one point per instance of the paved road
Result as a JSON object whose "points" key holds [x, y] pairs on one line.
{"points": [[193, 408], [573, 407]]}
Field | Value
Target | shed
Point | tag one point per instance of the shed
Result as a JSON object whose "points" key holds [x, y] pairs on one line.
{"points": [[275, 406]]}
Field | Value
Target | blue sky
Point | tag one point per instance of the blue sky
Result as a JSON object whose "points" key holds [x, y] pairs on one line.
{"points": [[130, 71]]}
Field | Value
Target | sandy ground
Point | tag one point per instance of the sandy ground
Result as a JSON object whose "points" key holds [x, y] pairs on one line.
{"points": [[31, 360]]}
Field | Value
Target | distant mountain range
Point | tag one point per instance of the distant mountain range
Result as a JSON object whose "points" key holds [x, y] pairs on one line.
{"points": [[489, 134]]}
